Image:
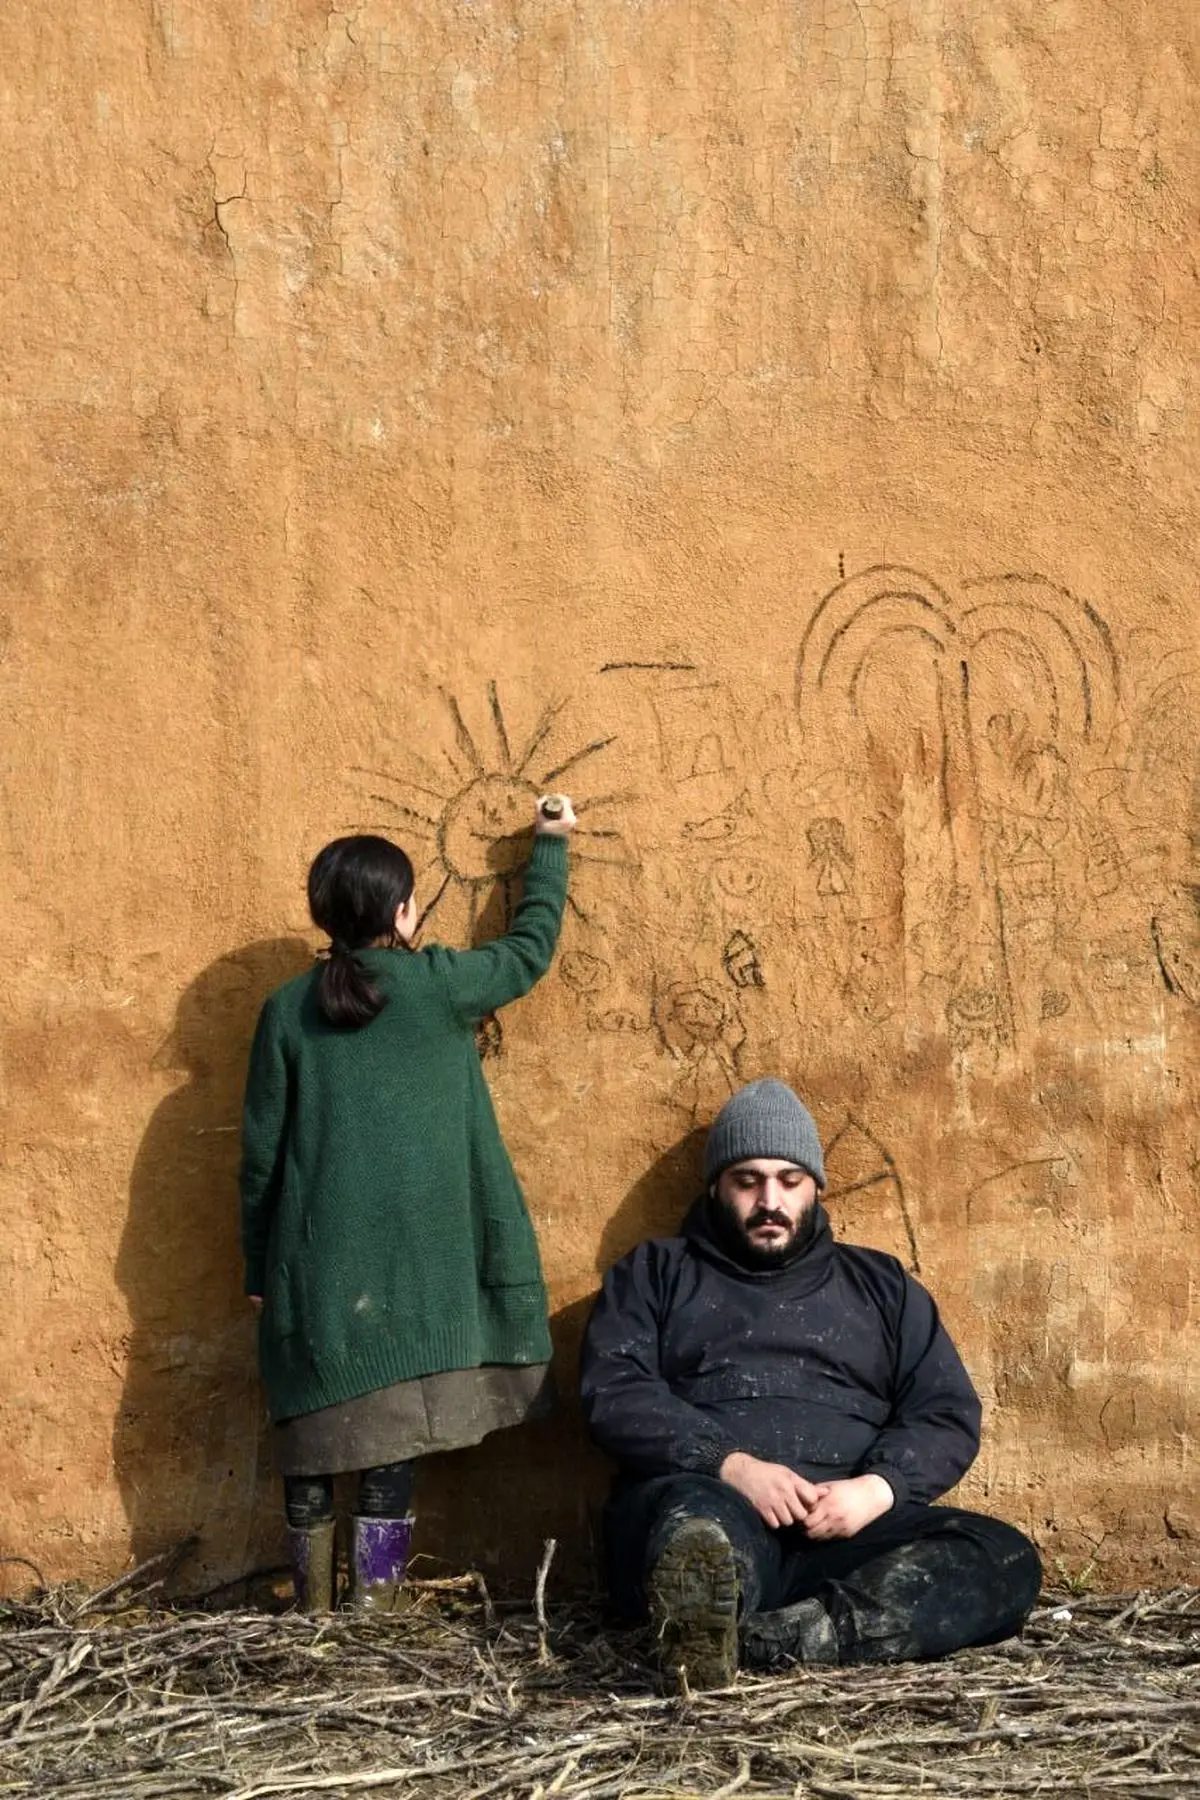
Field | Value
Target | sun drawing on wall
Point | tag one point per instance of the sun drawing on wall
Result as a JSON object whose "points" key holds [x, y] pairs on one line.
{"points": [[465, 820]]}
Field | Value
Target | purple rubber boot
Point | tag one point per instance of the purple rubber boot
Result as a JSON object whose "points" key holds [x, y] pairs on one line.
{"points": [[311, 1553], [381, 1548]]}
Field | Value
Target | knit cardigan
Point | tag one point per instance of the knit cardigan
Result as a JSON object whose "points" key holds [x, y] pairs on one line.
{"points": [[382, 1221]]}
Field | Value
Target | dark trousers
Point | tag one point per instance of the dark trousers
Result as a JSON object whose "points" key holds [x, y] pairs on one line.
{"points": [[918, 1582], [383, 1493]]}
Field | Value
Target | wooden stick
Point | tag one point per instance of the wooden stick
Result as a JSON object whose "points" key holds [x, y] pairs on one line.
{"points": [[539, 1597]]}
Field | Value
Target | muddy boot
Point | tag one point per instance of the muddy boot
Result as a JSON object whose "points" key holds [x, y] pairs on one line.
{"points": [[693, 1596], [802, 1633], [312, 1559], [380, 1558]]}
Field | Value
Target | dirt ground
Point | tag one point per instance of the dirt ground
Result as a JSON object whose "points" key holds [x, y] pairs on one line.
{"points": [[110, 1698]]}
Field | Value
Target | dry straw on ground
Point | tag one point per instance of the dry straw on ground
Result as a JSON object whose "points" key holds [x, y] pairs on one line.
{"points": [[101, 1699]]}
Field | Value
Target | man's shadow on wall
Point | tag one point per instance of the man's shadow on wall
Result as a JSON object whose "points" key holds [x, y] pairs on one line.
{"points": [[495, 1506], [190, 1446]]}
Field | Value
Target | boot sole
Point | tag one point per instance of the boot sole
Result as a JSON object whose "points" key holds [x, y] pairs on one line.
{"points": [[693, 1595]]}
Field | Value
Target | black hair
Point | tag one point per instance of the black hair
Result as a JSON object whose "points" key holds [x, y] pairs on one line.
{"points": [[355, 887]]}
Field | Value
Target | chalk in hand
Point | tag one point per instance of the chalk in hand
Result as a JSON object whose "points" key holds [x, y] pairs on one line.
{"points": [[552, 807]]}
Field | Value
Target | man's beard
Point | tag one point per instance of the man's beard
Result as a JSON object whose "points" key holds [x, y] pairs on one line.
{"points": [[734, 1235]]}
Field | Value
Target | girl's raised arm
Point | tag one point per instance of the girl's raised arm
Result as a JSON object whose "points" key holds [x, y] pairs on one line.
{"points": [[481, 980]]}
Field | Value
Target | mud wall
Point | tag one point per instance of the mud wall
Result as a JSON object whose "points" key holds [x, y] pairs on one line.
{"points": [[776, 424]]}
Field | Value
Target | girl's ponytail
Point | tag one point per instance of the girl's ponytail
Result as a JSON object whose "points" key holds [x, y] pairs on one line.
{"points": [[356, 886], [345, 993]]}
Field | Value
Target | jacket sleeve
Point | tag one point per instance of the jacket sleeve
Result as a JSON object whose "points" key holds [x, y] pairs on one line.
{"points": [[479, 981], [932, 1436], [631, 1412], [264, 1143]]}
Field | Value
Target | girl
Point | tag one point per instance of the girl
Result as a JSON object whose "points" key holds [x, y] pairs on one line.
{"points": [[384, 1233]]}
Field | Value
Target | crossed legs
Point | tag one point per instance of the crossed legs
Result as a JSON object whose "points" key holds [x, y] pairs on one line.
{"points": [[919, 1582]]}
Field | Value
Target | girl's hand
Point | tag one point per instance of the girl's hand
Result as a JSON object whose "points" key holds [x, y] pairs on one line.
{"points": [[256, 1301], [560, 823]]}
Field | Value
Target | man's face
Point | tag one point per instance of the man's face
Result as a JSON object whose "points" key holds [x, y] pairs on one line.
{"points": [[766, 1205]]}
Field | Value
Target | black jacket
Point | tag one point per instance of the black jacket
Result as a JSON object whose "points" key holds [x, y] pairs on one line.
{"points": [[835, 1365]]}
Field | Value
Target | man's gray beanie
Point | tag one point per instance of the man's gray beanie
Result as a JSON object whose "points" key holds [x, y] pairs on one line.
{"points": [[764, 1119]]}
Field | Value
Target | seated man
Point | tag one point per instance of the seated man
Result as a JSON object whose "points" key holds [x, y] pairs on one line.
{"points": [[784, 1409]]}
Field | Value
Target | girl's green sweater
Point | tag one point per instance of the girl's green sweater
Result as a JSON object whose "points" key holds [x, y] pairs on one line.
{"points": [[381, 1218]]}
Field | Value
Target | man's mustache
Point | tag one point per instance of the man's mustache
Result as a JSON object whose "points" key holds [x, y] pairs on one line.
{"points": [[768, 1218]]}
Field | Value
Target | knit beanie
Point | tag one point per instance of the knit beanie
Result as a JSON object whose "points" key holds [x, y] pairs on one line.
{"points": [[764, 1119]]}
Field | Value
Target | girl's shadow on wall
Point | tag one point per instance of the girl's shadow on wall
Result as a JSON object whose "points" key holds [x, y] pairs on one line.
{"points": [[189, 1444]]}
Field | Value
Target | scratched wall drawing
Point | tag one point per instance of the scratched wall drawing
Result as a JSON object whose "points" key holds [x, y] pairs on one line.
{"points": [[865, 1194], [982, 722], [464, 809], [1154, 792], [970, 827]]}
